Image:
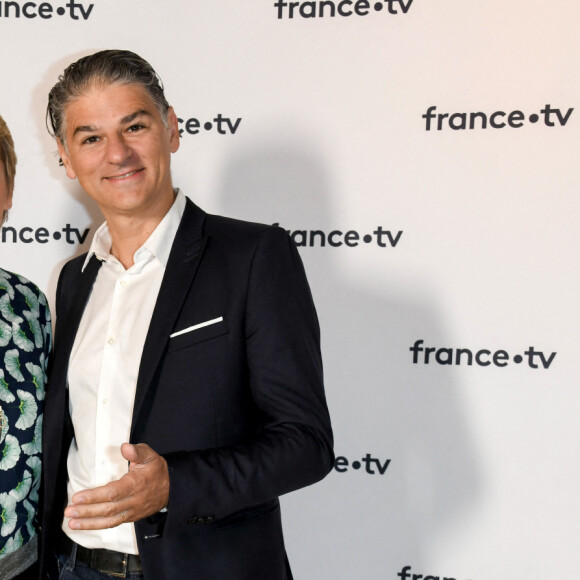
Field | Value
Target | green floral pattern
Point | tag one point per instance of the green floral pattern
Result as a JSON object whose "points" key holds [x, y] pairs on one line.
{"points": [[25, 341]]}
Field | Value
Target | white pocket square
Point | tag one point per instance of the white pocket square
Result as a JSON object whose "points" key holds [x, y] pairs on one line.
{"points": [[197, 326]]}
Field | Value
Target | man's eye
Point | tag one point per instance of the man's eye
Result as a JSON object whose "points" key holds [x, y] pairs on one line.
{"points": [[135, 128], [91, 139]]}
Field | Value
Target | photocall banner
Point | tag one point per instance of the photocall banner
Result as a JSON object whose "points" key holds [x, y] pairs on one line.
{"points": [[424, 158]]}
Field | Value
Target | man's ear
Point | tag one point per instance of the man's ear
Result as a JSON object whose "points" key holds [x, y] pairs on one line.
{"points": [[65, 159], [173, 128]]}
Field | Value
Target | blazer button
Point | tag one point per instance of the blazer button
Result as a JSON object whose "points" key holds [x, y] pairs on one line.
{"points": [[208, 519], [194, 520]]}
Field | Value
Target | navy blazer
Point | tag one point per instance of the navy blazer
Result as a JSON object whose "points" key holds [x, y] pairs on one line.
{"points": [[236, 407]]}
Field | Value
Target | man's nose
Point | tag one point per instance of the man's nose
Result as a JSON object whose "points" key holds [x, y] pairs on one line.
{"points": [[118, 150]]}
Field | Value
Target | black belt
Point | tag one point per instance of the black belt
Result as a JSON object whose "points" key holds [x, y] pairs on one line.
{"points": [[106, 561]]}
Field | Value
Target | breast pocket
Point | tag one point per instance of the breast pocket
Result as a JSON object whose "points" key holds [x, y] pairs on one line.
{"points": [[196, 333]]}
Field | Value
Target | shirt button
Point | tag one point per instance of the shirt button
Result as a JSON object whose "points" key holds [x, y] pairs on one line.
{"points": [[123, 283], [111, 341]]}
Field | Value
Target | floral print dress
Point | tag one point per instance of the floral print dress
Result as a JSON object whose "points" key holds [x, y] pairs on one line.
{"points": [[25, 342]]}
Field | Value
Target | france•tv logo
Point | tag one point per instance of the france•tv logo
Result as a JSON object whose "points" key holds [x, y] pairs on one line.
{"points": [[405, 574], [45, 10]]}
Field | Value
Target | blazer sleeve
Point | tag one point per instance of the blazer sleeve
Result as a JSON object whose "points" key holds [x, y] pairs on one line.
{"points": [[294, 446]]}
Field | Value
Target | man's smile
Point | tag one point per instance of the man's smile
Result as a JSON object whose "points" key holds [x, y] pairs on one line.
{"points": [[125, 175]]}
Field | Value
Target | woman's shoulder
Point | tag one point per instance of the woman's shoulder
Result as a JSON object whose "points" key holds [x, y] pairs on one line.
{"points": [[14, 287], [14, 278]]}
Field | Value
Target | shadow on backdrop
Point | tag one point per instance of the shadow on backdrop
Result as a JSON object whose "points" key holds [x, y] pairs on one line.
{"points": [[379, 403]]}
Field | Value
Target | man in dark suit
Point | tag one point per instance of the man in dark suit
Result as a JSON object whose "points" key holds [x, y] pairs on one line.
{"points": [[191, 336]]}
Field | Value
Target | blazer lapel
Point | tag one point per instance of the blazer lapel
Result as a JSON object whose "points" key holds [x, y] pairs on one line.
{"points": [[182, 265], [67, 329], [67, 325]]}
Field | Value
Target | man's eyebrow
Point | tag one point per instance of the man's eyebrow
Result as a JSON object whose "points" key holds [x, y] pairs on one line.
{"points": [[84, 129], [130, 118]]}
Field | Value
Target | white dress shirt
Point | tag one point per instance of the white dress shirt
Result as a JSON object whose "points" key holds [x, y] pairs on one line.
{"points": [[104, 365]]}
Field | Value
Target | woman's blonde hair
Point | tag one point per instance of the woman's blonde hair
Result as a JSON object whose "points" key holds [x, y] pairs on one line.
{"points": [[8, 158]]}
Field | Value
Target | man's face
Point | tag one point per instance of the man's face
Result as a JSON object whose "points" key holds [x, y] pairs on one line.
{"points": [[5, 193], [119, 148]]}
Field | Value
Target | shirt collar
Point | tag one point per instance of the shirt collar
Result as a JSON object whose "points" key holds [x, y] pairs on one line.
{"points": [[158, 243]]}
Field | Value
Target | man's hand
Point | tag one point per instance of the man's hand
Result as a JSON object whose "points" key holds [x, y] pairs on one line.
{"points": [[143, 491]]}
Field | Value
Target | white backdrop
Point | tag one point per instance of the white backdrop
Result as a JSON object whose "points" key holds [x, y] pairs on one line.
{"points": [[331, 124]]}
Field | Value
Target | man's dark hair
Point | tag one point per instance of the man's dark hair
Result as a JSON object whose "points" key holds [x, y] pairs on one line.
{"points": [[105, 67]]}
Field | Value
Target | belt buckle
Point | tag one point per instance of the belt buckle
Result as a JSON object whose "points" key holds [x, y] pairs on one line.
{"points": [[116, 572]]}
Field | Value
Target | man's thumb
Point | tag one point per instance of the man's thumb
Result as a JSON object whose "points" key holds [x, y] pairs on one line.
{"points": [[132, 453]]}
